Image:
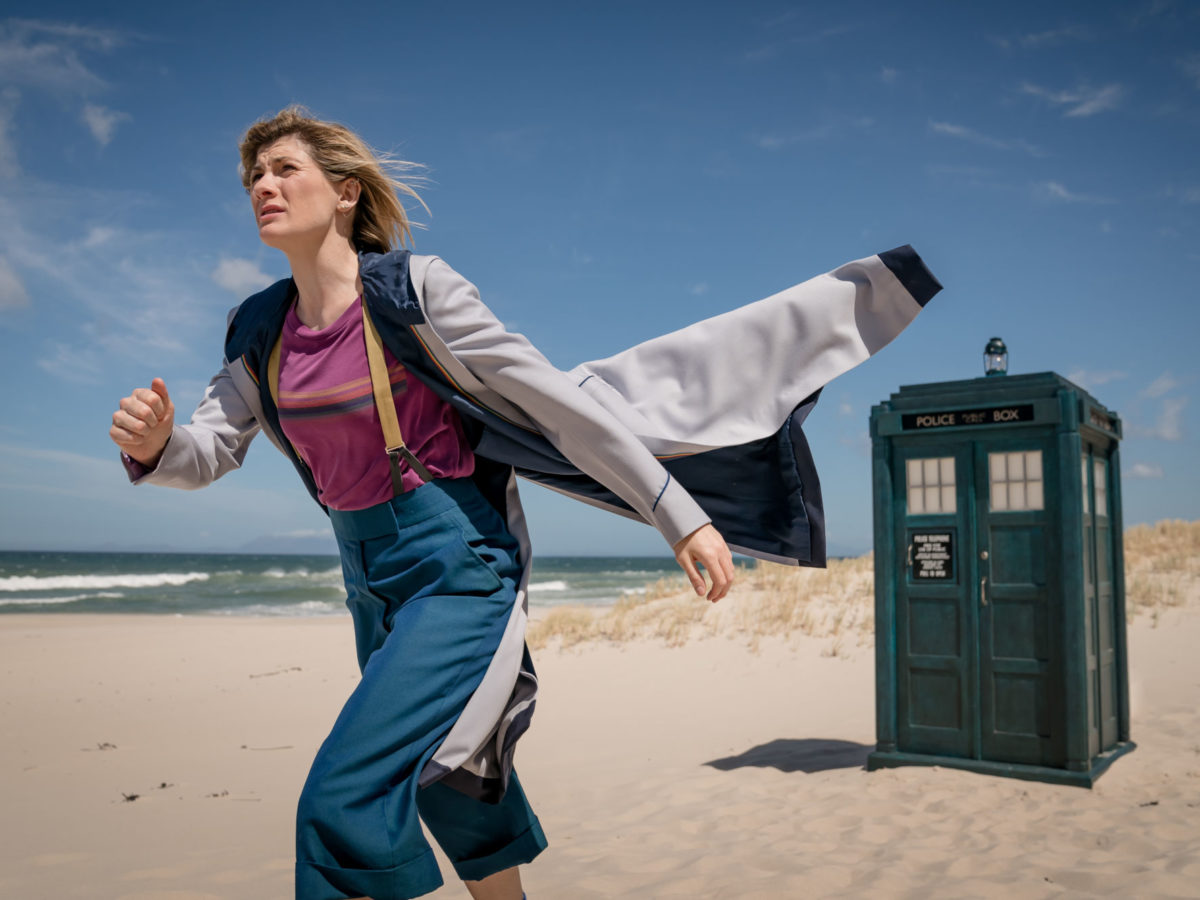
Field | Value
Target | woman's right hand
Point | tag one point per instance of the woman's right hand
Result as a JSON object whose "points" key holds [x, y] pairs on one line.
{"points": [[142, 426]]}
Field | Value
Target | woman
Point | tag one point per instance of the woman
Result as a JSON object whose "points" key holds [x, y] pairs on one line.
{"points": [[434, 575], [407, 410]]}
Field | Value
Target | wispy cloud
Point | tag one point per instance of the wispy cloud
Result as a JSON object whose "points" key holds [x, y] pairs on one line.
{"points": [[12, 292], [822, 132], [1040, 40], [43, 56], [1081, 102], [698, 289], [1152, 9], [71, 363], [1144, 470], [778, 47], [105, 39], [1089, 379], [888, 75], [779, 141], [963, 133], [241, 276], [1188, 195], [1169, 424], [1057, 192], [103, 122], [1163, 384], [108, 277], [98, 236], [47, 54]]}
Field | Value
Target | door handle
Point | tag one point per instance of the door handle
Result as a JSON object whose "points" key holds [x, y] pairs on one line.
{"points": [[983, 591]]}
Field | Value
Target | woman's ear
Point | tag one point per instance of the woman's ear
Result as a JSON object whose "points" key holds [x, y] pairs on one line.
{"points": [[348, 192]]}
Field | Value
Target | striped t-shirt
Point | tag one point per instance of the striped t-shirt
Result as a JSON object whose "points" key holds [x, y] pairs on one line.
{"points": [[327, 411]]}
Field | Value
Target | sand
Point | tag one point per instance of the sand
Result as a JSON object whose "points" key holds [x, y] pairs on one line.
{"points": [[155, 758]]}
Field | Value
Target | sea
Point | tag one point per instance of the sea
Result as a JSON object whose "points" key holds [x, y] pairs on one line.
{"points": [[266, 585]]}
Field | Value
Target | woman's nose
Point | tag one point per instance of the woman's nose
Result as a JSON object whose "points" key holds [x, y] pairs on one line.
{"points": [[264, 187]]}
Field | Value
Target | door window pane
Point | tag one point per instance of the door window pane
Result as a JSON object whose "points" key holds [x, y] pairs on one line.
{"points": [[930, 485], [1100, 479], [1016, 495], [931, 471], [1034, 494], [999, 496], [1016, 480], [996, 465], [1086, 492]]}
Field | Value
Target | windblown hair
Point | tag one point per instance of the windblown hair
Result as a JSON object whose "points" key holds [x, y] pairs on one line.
{"points": [[380, 221]]}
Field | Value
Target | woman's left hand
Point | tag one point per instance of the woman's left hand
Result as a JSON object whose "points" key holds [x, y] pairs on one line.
{"points": [[706, 547]]}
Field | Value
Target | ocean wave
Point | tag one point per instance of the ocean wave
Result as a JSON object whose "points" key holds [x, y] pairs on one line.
{"points": [[280, 573], [548, 586], [307, 608], [302, 572], [38, 601], [98, 582]]}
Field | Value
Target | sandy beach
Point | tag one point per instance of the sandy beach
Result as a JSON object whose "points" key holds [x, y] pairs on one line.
{"points": [[159, 758]]}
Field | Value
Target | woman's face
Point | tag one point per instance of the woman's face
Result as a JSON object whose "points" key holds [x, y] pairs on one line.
{"points": [[294, 202]]}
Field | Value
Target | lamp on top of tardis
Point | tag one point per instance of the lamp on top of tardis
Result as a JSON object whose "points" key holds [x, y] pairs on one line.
{"points": [[995, 357]]}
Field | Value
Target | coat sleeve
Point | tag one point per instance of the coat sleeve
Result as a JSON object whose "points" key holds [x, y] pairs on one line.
{"points": [[216, 439], [213, 443], [589, 436]]}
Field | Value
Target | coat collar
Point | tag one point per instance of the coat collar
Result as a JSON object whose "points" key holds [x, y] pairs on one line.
{"points": [[387, 290]]}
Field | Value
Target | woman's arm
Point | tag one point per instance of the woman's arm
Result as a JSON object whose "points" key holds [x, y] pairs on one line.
{"points": [[184, 456], [587, 434]]}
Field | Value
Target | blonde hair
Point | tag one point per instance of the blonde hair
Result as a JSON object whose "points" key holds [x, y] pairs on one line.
{"points": [[380, 221]]}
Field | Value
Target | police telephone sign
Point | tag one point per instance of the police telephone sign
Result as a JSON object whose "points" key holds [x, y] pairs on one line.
{"points": [[989, 415], [931, 556]]}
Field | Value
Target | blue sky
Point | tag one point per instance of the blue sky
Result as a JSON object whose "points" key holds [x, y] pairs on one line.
{"points": [[604, 172]]}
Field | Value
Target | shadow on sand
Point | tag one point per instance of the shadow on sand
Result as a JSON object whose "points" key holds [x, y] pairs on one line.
{"points": [[799, 755]]}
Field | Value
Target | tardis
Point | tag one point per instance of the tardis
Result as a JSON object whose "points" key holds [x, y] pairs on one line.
{"points": [[999, 589]]}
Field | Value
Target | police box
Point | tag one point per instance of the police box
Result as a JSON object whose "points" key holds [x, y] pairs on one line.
{"points": [[999, 590]]}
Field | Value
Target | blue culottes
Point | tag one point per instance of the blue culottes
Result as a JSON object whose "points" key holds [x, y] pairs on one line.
{"points": [[431, 578]]}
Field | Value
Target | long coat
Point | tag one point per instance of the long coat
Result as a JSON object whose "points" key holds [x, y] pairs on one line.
{"points": [[702, 424]]}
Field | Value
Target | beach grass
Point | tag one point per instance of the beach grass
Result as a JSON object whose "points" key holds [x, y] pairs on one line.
{"points": [[1162, 567], [1162, 570]]}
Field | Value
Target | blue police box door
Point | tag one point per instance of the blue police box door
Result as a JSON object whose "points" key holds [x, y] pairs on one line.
{"points": [[1099, 589], [974, 629]]}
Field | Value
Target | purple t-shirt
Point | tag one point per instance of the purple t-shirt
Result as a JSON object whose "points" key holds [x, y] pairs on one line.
{"points": [[327, 411]]}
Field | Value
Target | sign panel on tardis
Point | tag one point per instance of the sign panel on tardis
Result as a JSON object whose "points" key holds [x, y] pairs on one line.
{"points": [[999, 589]]}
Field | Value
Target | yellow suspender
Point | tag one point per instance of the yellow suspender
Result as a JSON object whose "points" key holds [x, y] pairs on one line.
{"points": [[381, 386]]}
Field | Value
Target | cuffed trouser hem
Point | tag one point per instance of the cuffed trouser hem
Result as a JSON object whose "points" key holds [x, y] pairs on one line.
{"points": [[411, 879], [520, 850]]}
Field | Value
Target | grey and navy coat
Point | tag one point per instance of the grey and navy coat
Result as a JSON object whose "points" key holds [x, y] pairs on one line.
{"points": [[677, 431]]}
